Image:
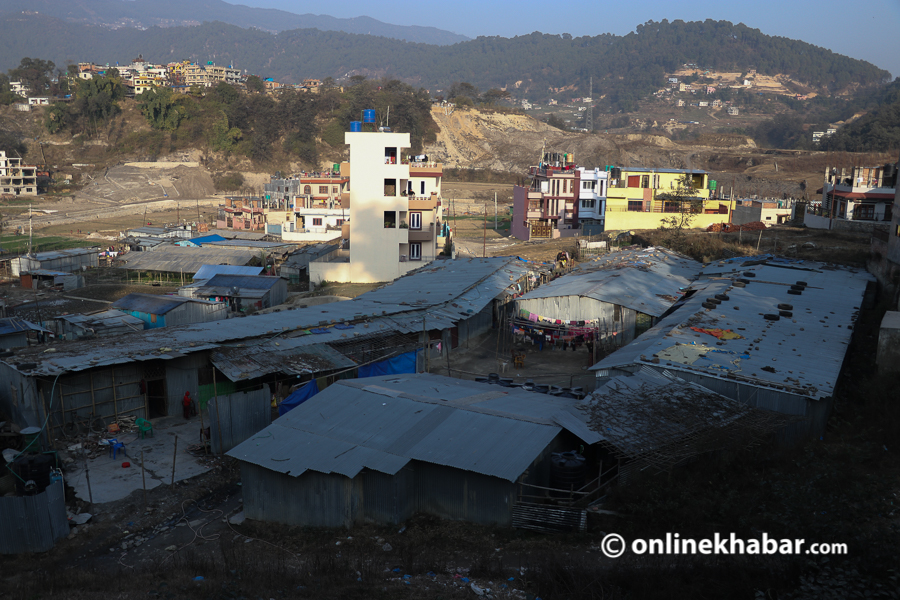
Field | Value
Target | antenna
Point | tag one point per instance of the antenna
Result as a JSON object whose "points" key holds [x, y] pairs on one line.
{"points": [[29, 230]]}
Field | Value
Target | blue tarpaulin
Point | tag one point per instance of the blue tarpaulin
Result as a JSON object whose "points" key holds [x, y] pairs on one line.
{"points": [[299, 396], [405, 363]]}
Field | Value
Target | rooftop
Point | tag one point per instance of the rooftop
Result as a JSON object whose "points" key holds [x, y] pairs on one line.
{"points": [[175, 259], [439, 294], [648, 280], [381, 423], [156, 304], [748, 337]]}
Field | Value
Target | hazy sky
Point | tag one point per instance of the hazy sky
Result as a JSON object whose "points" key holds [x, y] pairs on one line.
{"points": [[868, 30]]}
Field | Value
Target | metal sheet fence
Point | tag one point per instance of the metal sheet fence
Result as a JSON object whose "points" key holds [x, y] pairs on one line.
{"points": [[235, 418], [33, 523]]}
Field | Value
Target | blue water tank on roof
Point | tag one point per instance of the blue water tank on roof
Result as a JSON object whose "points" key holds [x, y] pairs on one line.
{"points": [[369, 115], [355, 126]]}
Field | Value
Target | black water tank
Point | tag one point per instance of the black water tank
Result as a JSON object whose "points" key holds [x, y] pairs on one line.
{"points": [[567, 470], [32, 467]]}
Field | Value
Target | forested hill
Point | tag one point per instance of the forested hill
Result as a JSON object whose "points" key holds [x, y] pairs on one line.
{"points": [[624, 68], [876, 131], [167, 13]]}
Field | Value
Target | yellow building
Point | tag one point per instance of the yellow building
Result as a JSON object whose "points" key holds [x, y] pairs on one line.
{"points": [[636, 198]]}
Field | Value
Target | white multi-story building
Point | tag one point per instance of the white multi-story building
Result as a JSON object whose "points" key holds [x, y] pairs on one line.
{"points": [[592, 198], [395, 212]]}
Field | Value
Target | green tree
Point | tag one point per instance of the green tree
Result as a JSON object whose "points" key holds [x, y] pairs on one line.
{"points": [[56, 117], [96, 101], [160, 106], [34, 73], [686, 205], [222, 137], [255, 84]]}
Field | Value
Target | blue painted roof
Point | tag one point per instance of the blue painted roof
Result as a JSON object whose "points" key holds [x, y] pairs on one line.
{"points": [[149, 303], [12, 325], [210, 271]]}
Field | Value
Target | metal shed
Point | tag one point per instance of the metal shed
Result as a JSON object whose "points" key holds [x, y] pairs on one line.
{"points": [[99, 324], [161, 311], [382, 448], [175, 259], [611, 294], [241, 291], [75, 259], [770, 333]]}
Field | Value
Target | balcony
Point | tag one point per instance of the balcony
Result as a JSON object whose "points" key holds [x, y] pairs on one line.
{"points": [[423, 202], [422, 235]]}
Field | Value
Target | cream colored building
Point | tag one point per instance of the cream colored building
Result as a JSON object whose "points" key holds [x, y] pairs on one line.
{"points": [[395, 212], [16, 178], [209, 75]]}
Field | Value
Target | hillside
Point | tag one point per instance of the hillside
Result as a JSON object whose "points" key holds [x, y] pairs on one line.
{"points": [[624, 69], [167, 13]]}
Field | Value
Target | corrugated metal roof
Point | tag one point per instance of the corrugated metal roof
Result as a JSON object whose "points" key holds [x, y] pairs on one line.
{"points": [[106, 318], [801, 354], [56, 254], [10, 325], [250, 362], [230, 234], [175, 259], [250, 282], [241, 243], [210, 271], [381, 423], [156, 304], [648, 280], [443, 293]]}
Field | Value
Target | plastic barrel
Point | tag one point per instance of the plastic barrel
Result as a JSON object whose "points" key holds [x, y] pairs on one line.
{"points": [[32, 437], [355, 126], [369, 115], [567, 470], [712, 184]]}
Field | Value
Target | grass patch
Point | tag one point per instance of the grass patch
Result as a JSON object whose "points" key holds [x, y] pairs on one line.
{"points": [[17, 244]]}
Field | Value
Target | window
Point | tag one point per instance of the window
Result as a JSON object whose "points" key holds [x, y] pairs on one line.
{"points": [[636, 205], [422, 188], [317, 221], [587, 203], [339, 222], [334, 189], [390, 187], [323, 189], [634, 181], [415, 251], [307, 189], [645, 181], [588, 185], [415, 220], [864, 212], [390, 219]]}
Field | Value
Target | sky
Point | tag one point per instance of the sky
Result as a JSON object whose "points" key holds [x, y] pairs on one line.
{"points": [[868, 30]]}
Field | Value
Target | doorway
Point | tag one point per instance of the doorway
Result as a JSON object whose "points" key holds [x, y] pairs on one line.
{"points": [[157, 400]]}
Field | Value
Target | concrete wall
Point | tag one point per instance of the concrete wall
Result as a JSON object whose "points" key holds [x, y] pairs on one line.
{"points": [[329, 271], [816, 222], [519, 226]]}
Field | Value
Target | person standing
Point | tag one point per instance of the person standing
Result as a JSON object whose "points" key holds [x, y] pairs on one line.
{"points": [[186, 405]]}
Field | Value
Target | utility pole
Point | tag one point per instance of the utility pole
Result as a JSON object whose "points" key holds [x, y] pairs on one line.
{"points": [[484, 234], [29, 229], [495, 211], [589, 120]]}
